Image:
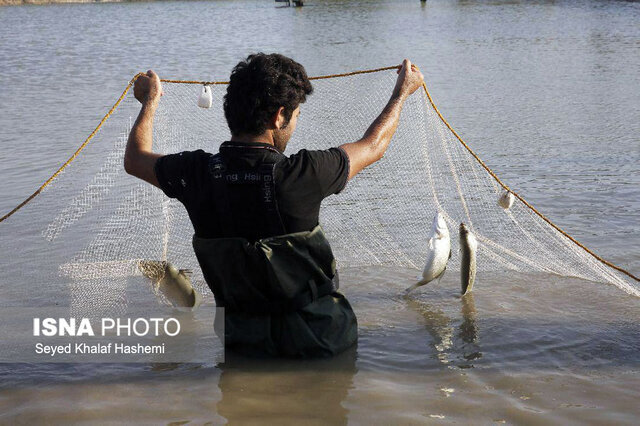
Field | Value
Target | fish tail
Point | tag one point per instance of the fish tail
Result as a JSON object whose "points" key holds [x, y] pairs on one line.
{"points": [[413, 287]]}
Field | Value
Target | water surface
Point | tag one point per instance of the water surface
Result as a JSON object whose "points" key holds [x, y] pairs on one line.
{"points": [[548, 94]]}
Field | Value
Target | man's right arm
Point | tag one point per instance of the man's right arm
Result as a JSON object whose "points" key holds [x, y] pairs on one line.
{"points": [[375, 141]]}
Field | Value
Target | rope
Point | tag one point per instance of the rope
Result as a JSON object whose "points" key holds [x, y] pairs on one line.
{"points": [[124, 93], [321, 77], [75, 154], [543, 217], [426, 91]]}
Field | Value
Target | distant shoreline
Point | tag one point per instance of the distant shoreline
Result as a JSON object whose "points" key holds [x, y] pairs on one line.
{"points": [[42, 2]]}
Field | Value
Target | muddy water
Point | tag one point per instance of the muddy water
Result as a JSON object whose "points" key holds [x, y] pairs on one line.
{"points": [[513, 351]]}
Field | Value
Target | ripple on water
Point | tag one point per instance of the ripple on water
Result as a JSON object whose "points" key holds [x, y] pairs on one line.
{"points": [[510, 321]]}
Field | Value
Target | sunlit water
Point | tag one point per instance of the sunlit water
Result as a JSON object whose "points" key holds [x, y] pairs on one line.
{"points": [[548, 93]]}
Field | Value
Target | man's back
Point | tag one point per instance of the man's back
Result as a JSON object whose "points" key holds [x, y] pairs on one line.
{"points": [[280, 292], [302, 181]]}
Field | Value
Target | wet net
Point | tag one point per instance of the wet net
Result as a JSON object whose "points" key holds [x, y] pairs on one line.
{"points": [[81, 238]]}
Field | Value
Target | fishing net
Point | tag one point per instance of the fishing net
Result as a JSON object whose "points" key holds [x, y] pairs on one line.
{"points": [[82, 238]]}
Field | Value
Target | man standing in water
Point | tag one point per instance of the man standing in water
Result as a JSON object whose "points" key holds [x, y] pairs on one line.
{"points": [[255, 211]]}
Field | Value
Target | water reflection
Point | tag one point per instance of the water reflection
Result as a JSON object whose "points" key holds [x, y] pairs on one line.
{"points": [[292, 390], [448, 344], [468, 330]]}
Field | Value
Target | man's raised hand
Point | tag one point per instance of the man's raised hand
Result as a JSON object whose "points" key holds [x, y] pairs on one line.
{"points": [[409, 79], [147, 87]]}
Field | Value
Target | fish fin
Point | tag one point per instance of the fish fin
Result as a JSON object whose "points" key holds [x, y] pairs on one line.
{"points": [[186, 272], [413, 287], [468, 289]]}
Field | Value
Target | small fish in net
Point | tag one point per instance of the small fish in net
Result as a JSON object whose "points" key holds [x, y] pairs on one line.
{"points": [[173, 284]]}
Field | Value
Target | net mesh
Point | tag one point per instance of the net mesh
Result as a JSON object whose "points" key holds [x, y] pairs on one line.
{"points": [[87, 231]]}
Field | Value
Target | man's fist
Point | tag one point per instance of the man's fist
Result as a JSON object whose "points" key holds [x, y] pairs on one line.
{"points": [[147, 87], [409, 79]]}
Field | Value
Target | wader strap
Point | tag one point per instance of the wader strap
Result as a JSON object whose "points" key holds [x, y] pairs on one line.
{"points": [[274, 221], [217, 170]]}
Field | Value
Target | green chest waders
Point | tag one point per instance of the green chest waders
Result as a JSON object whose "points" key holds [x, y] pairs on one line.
{"points": [[279, 293]]}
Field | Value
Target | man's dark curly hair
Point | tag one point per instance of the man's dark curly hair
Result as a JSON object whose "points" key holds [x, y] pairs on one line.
{"points": [[259, 86]]}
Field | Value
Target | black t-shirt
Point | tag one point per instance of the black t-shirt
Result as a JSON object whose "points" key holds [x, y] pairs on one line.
{"points": [[302, 181]]}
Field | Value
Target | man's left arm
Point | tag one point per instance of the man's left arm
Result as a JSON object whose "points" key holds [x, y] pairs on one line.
{"points": [[331, 170], [139, 158]]}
